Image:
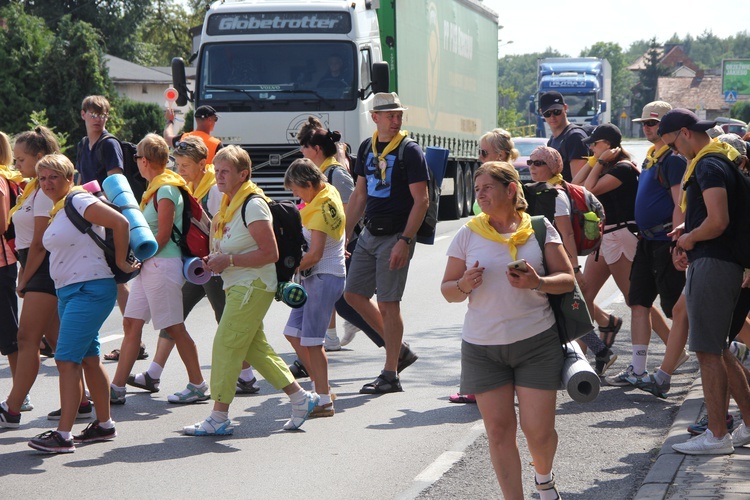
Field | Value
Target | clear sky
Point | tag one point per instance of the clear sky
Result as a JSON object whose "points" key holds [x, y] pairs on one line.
{"points": [[569, 27]]}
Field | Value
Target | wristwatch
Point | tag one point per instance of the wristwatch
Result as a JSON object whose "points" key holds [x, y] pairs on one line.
{"points": [[406, 239]]}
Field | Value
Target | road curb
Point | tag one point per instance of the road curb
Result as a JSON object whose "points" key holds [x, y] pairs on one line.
{"points": [[668, 462]]}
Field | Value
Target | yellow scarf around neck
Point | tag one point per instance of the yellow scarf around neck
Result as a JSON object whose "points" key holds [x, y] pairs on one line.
{"points": [[60, 204], [652, 158], [329, 162], [393, 144], [228, 208], [32, 186], [481, 225], [555, 179], [10, 174], [206, 183], [166, 178], [714, 146], [325, 213]]}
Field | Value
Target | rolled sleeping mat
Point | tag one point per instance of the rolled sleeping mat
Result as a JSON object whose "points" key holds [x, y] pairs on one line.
{"points": [[92, 187], [578, 378], [194, 270], [291, 294], [142, 240]]}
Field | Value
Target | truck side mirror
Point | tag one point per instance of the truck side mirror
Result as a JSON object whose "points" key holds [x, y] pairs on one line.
{"points": [[179, 81], [380, 77], [603, 106]]}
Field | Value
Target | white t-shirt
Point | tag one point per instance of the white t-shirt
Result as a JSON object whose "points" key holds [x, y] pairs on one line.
{"points": [[236, 240], [562, 204], [36, 205], [499, 314], [213, 203], [332, 261], [73, 255]]}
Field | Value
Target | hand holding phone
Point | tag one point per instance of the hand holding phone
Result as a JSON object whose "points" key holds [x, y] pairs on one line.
{"points": [[518, 265]]}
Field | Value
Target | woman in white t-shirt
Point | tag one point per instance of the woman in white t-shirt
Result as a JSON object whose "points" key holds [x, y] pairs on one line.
{"points": [[86, 292], [39, 317], [510, 343]]}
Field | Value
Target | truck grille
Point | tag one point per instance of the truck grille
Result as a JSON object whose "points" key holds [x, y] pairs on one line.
{"points": [[271, 177]]}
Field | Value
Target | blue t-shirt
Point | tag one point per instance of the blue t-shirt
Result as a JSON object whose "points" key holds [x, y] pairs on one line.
{"points": [[653, 203], [89, 166], [390, 197]]}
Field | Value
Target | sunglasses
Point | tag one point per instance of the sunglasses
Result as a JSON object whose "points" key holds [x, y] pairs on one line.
{"points": [[556, 112], [671, 144], [650, 123], [98, 116], [536, 163], [137, 157], [484, 153], [183, 146]]}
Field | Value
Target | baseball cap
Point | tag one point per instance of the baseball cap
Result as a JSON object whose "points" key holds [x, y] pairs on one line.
{"points": [[551, 100], [606, 132], [654, 111], [735, 141], [679, 118], [385, 101], [205, 112]]}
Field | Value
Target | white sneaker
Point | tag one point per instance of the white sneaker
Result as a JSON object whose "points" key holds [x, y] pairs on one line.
{"points": [[302, 411], [332, 342], [349, 332], [741, 435], [706, 444]]}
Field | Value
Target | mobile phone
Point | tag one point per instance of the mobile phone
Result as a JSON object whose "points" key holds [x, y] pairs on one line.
{"points": [[518, 265]]}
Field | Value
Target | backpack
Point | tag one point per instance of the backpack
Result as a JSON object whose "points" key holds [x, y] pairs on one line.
{"points": [[107, 244], [287, 228], [14, 191], [129, 166], [426, 231], [195, 242]]}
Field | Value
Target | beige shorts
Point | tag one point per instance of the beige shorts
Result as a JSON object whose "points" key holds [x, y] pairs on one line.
{"points": [[157, 293], [616, 244]]}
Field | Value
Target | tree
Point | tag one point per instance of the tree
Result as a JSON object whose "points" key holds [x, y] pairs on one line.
{"points": [[507, 115], [518, 72], [622, 78], [164, 34], [645, 90], [741, 111]]}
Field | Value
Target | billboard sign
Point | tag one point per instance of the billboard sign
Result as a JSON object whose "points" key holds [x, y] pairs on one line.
{"points": [[735, 76]]}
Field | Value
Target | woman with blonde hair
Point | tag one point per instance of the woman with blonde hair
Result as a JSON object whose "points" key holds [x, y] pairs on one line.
{"points": [[497, 145], [510, 347]]}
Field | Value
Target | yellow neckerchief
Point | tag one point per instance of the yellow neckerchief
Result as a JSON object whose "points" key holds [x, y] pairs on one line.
{"points": [[166, 178], [204, 186], [60, 204], [331, 161], [555, 179], [325, 213], [652, 158], [32, 186], [389, 147], [11, 175], [714, 146], [481, 225], [228, 208]]}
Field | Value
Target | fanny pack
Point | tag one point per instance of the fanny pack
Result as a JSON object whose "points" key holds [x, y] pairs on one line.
{"points": [[384, 226]]}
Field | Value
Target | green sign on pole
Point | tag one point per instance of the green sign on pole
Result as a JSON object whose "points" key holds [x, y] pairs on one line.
{"points": [[735, 76]]}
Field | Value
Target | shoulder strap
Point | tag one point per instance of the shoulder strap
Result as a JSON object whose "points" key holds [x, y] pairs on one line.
{"points": [[400, 155], [540, 233], [83, 225], [244, 206], [105, 136]]}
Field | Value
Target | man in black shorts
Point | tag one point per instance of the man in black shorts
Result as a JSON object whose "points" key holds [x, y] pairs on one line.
{"points": [[566, 136]]}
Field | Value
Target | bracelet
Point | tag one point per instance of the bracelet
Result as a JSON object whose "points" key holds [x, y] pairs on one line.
{"points": [[539, 286], [231, 260], [170, 122], [459, 288]]}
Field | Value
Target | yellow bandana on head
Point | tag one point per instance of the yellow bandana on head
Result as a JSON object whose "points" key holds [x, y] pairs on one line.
{"points": [[331, 161], [714, 146], [32, 186], [60, 204], [228, 208], [481, 225], [652, 158], [555, 179], [166, 178], [393, 144], [204, 186], [325, 213]]}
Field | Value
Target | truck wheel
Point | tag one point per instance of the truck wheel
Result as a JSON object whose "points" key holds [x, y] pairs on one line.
{"points": [[468, 190], [452, 206]]}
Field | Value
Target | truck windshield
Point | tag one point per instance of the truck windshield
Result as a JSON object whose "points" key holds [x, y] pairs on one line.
{"points": [[584, 105], [273, 76]]}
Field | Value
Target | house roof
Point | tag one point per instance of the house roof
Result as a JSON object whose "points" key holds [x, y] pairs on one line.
{"points": [[122, 71], [692, 93], [674, 57]]}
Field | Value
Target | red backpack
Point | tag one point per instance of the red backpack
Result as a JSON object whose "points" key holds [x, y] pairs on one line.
{"points": [[587, 217], [195, 241]]}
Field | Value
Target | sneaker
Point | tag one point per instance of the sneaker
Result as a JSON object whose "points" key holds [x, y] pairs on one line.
{"points": [[117, 396], [741, 435], [701, 425], [706, 444], [192, 394], [649, 384], [52, 442], [94, 433], [406, 358], [625, 378], [741, 353], [7, 420], [604, 361], [246, 386], [27, 405], [349, 332], [298, 369], [84, 412], [302, 411], [332, 343], [322, 411], [209, 427], [150, 384], [683, 359]]}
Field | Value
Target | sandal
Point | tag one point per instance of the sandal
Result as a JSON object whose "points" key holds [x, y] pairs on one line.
{"points": [[549, 485], [46, 351], [462, 398], [381, 385], [114, 355], [609, 332]]}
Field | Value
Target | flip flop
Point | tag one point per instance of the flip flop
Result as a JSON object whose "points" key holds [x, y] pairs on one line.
{"points": [[114, 355], [462, 398]]}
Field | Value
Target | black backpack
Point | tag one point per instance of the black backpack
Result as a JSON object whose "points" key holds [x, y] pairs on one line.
{"points": [[287, 228], [107, 244], [129, 166], [426, 231]]}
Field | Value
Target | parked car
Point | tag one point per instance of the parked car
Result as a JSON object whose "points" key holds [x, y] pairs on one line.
{"points": [[525, 145], [732, 126]]}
